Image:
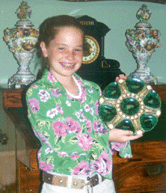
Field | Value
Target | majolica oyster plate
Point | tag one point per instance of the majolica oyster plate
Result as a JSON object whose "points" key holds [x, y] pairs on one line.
{"points": [[130, 105]]}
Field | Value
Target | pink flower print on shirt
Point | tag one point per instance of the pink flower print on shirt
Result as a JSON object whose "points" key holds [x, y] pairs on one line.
{"points": [[85, 141], [80, 116], [88, 125], [44, 140], [79, 81], [44, 95], [74, 126], [68, 103], [39, 153], [83, 96], [91, 111], [51, 113], [34, 86], [45, 167], [90, 90], [34, 105], [51, 77], [62, 153], [59, 108], [111, 151], [84, 90], [60, 129], [97, 107], [99, 128], [88, 109], [48, 150], [117, 146], [102, 164], [127, 155], [82, 99], [75, 156], [82, 169], [55, 93]]}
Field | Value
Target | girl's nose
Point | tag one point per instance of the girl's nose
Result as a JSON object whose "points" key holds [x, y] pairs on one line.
{"points": [[70, 54]]}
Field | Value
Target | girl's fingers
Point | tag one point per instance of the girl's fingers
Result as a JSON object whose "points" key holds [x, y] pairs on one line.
{"points": [[121, 76], [130, 138], [118, 135]]}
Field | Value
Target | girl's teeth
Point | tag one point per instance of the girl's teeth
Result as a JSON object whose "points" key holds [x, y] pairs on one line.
{"points": [[67, 65]]}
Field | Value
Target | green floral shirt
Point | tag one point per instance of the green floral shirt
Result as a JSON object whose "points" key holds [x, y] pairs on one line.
{"points": [[74, 140]]}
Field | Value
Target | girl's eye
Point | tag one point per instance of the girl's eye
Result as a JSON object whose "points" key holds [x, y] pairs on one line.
{"points": [[61, 48], [78, 50]]}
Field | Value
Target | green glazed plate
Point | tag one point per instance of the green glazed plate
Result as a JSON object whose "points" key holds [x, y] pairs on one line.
{"points": [[130, 105]]}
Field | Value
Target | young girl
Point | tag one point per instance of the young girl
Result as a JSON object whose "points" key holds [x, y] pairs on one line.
{"points": [[76, 146]]}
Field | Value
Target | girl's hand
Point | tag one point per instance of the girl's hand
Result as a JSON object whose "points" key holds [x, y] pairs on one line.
{"points": [[121, 77], [118, 135]]}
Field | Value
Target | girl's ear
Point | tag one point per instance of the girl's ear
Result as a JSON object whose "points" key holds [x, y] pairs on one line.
{"points": [[44, 49]]}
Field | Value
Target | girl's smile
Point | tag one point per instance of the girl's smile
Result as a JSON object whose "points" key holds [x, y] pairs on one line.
{"points": [[67, 65]]}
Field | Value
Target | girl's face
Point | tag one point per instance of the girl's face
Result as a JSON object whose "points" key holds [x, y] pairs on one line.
{"points": [[64, 52]]}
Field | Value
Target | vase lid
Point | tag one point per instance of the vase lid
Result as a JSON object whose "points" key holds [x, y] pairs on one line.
{"points": [[143, 15], [141, 24], [23, 13], [24, 24]]}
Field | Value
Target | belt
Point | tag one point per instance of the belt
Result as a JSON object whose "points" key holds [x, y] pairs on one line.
{"points": [[76, 183]]}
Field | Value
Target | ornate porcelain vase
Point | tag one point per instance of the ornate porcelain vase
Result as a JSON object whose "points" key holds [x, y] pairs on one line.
{"points": [[21, 41], [142, 42]]}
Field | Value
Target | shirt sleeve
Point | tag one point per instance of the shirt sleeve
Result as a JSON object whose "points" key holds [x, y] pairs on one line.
{"points": [[46, 117], [124, 149]]}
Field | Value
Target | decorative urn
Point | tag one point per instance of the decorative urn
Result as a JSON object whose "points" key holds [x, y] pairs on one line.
{"points": [[21, 41], [142, 42]]}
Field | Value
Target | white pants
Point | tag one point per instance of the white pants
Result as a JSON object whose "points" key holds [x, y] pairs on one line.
{"points": [[107, 186]]}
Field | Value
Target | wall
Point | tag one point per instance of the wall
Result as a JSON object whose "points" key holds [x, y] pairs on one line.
{"points": [[117, 15]]}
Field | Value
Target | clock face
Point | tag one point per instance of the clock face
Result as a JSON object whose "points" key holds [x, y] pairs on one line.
{"points": [[91, 50]]}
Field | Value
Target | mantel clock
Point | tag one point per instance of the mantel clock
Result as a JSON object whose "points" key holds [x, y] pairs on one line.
{"points": [[95, 67], [94, 39]]}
